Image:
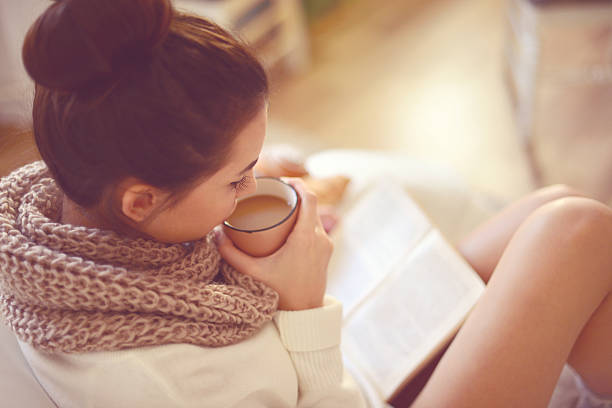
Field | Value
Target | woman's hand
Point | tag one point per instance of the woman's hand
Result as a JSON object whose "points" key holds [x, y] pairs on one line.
{"points": [[298, 270]]}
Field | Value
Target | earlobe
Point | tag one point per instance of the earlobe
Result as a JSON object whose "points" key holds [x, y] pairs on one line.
{"points": [[138, 202]]}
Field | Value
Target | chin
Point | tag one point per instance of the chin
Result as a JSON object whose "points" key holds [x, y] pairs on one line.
{"points": [[182, 239], [198, 237]]}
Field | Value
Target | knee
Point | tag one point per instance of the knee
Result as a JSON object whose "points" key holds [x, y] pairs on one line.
{"points": [[575, 222], [565, 238], [557, 191]]}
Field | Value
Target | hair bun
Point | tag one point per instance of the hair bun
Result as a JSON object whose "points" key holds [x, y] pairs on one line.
{"points": [[76, 42]]}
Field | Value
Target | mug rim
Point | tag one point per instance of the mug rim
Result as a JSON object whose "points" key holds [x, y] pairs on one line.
{"points": [[293, 208]]}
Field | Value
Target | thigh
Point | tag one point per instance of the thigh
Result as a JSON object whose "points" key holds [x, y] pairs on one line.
{"points": [[484, 246], [591, 355], [550, 280]]}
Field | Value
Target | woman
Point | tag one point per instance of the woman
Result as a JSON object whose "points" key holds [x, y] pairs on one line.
{"points": [[149, 122]]}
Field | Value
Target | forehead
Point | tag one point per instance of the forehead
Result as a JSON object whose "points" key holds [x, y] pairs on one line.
{"points": [[248, 143]]}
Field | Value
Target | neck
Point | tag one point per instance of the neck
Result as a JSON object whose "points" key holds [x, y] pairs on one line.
{"points": [[74, 214]]}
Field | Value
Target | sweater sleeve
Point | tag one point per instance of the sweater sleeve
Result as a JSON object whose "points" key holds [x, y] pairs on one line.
{"points": [[312, 338]]}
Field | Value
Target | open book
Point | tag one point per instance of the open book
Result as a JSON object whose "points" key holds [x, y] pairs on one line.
{"points": [[405, 289]]}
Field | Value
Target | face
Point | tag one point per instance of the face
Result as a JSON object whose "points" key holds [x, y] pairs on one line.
{"points": [[212, 201]]}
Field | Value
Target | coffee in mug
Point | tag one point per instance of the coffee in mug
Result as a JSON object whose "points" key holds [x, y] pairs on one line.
{"points": [[259, 211], [262, 221]]}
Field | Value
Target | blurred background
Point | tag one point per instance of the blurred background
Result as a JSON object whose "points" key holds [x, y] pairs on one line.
{"points": [[510, 94]]}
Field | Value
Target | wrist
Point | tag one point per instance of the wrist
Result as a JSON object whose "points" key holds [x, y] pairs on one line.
{"points": [[313, 329], [293, 306]]}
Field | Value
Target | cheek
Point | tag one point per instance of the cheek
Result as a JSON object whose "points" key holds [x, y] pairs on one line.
{"points": [[213, 213], [232, 207], [228, 206]]}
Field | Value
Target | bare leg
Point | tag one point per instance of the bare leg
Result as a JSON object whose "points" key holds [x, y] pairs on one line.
{"points": [[591, 356], [546, 300], [484, 246], [592, 353]]}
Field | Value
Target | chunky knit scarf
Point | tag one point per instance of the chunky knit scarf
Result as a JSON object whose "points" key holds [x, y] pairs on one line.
{"points": [[76, 289]]}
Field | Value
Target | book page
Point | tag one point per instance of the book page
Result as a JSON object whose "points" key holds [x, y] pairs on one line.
{"points": [[413, 311], [371, 239]]}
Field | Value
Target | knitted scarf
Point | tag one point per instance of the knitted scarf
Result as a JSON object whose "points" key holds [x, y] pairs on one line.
{"points": [[75, 289]]}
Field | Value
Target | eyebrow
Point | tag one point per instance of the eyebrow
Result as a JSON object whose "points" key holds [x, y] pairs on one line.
{"points": [[250, 166]]}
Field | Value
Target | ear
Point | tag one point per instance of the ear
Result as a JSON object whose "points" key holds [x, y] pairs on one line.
{"points": [[138, 201]]}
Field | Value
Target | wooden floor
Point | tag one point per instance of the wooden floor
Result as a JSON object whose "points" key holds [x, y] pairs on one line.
{"points": [[16, 146], [426, 78], [416, 76]]}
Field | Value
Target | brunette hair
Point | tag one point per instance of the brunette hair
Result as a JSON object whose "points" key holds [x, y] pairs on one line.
{"points": [[136, 88]]}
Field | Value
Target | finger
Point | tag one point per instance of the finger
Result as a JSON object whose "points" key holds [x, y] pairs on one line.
{"points": [[329, 217], [239, 260], [312, 204], [308, 218], [308, 202]]}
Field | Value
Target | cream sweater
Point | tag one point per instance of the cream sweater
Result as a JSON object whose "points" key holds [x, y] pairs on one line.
{"points": [[294, 361]]}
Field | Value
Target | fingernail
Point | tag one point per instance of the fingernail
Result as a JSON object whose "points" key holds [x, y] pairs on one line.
{"points": [[218, 235]]}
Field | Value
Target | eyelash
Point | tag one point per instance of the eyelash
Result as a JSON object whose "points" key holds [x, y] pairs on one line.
{"points": [[241, 184]]}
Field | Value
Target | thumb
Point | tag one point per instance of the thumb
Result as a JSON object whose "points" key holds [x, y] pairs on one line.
{"points": [[242, 262]]}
